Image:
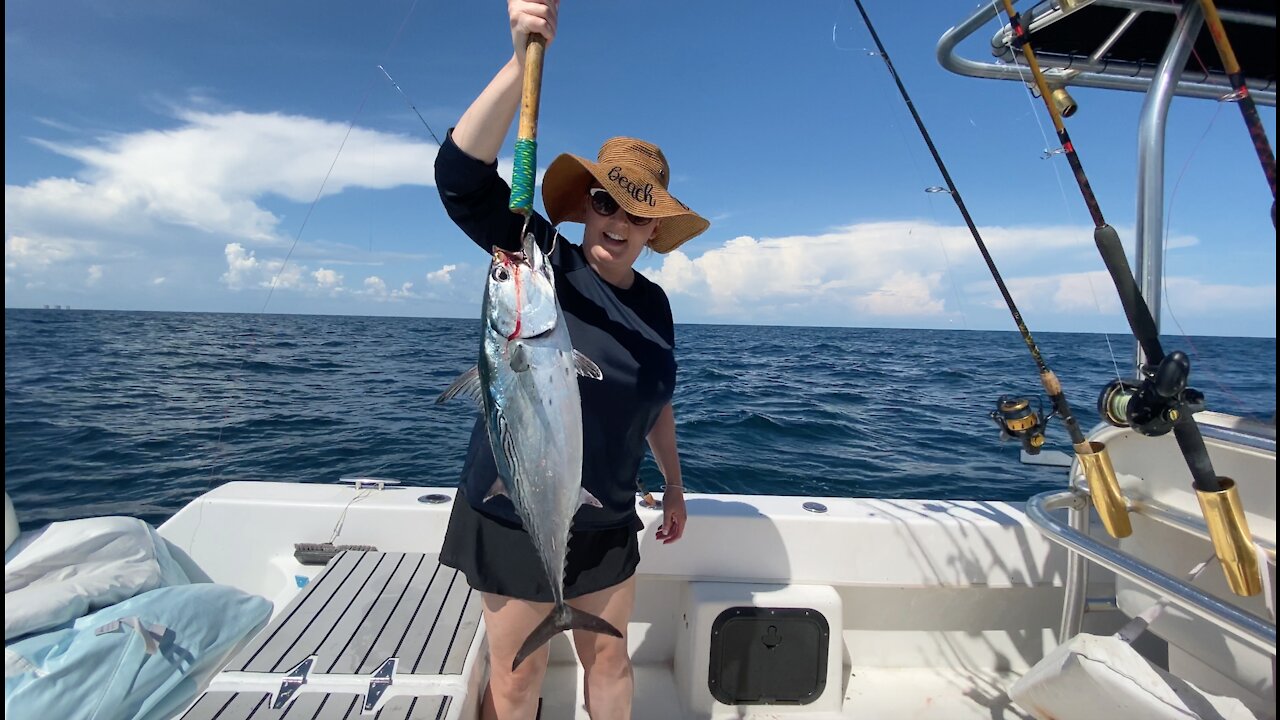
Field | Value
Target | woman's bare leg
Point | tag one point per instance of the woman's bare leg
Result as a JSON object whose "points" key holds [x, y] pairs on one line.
{"points": [[512, 695], [605, 660]]}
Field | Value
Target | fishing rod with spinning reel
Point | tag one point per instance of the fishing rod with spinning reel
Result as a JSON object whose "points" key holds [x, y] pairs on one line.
{"points": [[1161, 400], [1015, 416]]}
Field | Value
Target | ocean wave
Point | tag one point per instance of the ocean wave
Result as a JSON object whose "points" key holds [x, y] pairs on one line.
{"points": [[124, 412]]}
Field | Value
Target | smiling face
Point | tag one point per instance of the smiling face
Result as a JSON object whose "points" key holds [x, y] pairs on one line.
{"points": [[613, 242]]}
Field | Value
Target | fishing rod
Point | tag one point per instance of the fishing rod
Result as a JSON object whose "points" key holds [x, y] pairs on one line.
{"points": [[1249, 111], [1093, 456], [1162, 401]]}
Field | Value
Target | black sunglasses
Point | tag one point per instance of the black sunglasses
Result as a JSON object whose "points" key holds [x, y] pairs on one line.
{"points": [[604, 204]]}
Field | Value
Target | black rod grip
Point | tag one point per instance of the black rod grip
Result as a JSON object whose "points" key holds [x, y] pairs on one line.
{"points": [[1197, 455], [1135, 307]]}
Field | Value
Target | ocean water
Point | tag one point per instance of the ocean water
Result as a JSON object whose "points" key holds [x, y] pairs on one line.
{"points": [[140, 412]]}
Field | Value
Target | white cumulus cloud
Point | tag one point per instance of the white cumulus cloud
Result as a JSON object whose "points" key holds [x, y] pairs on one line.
{"points": [[1082, 292], [903, 293], [912, 272], [210, 172], [246, 270], [443, 275], [328, 279], [160, 202], [377, 289], [31, 253]]}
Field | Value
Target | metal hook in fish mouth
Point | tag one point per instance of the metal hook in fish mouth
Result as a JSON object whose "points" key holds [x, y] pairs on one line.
{"points": [[510, 255]]}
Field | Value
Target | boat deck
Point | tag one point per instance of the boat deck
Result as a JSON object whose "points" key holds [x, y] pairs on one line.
{"points": [[869, 692], [313, 706], [367, 608], [397, 627]]}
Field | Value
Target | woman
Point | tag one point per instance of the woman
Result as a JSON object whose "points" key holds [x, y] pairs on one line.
{"points": [[620, 320]]}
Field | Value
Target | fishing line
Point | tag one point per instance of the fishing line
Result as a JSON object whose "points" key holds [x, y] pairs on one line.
{"points": [[1161, 401], [1164, 250], [412, 107], [1169, 220], [341, 146], [1047, 377], [214, 473], [1164, 242], [1163, 391], [1049, 153], [915, 164], [933, 211], [1240, 95]]}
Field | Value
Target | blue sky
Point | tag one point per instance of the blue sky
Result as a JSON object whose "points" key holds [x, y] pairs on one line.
{"points": [[165, 156]]}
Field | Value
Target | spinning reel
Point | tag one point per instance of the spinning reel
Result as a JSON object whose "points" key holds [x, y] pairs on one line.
{"points": [[1016, 419], [1154, 405]]}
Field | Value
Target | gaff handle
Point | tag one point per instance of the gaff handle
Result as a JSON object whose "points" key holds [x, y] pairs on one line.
{"points": [[526, 150]]}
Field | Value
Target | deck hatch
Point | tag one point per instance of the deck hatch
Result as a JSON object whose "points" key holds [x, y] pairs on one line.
{"points": [[768, 656]]}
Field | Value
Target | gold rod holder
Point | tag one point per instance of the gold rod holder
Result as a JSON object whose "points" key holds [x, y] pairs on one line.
{"points": [[1232, 541], [1104, 488]]}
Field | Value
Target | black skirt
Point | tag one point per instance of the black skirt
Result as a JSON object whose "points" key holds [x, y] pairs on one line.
{"points": [[498, 557]]}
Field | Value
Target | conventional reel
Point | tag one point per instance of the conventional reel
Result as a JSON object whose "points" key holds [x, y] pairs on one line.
{"points": [[1154, 405]]}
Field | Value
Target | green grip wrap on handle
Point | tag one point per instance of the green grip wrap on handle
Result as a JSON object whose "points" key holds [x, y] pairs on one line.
{"points": [[526, 150], [522, 178]]}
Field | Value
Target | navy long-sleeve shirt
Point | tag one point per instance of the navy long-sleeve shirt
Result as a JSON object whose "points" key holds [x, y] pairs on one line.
{"points": [[628, 333]]}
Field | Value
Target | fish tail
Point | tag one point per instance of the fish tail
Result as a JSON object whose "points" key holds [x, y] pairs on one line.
{"points": [[562, 617]]}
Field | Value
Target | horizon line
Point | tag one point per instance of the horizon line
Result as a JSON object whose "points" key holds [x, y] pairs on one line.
{"points": [[1125, 333]]}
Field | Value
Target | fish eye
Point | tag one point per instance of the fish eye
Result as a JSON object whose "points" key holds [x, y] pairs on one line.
{"points": [[501, 274]]}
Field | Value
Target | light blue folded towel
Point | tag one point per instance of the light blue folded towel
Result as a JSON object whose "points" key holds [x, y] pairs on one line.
{"points": [[145, 658]]}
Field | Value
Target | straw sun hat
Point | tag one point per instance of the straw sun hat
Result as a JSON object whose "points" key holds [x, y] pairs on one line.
{"points": [[636, 174]]}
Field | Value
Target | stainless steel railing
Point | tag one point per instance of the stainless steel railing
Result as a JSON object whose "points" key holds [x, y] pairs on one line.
{"points": [[1252, 629]]}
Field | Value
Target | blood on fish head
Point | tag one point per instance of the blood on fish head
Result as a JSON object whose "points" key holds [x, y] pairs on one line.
{"points": [[520, 293]]}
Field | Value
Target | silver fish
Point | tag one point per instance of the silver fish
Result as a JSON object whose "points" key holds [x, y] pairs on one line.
{"points": [[526, 383]]}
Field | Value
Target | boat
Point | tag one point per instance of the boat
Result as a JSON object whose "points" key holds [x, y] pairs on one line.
{"points": [[966, 609]]}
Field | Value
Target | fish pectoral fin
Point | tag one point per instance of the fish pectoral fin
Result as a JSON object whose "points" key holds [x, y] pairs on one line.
{"points": [[586, 367], [518, 357], [497, 488], [467, 385], [586, 498]]}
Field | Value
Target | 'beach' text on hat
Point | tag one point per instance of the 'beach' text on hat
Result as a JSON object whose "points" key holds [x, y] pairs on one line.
{"points": [[642, 193]]}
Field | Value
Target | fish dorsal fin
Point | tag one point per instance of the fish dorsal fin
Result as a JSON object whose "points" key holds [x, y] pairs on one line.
{"points": [[467, 385], [585, 367]]}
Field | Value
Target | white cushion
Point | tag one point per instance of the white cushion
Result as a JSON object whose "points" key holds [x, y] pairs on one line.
{"points": [[1096, 676], [66, 569]]}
